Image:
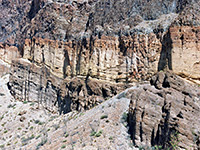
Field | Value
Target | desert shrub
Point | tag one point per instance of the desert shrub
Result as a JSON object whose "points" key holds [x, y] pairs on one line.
{"points": [[104, 116]]}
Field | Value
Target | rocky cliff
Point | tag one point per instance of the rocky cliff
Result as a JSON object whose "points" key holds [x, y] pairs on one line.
{"points": [[29, 82], [160, 114], [7, 54], [165, 114], [68, 55], [82, 39]]}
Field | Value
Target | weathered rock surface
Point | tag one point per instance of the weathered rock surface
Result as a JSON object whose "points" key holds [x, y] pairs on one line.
{"points": [[185, 52], [7, 54], [27, 126], [116, 59], [78, 53], [95, 42], [71, 41], [165, 113], [29, 82]]}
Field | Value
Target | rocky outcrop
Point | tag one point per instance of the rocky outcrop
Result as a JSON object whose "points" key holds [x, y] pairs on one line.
{"points": [[181, 44], [185, 52], [165, 113], [7, 54], [76, 39], [123, 59], [162, 114], [32, 83], [29, 82]]}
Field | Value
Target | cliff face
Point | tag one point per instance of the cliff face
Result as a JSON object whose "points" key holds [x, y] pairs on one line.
{"points": [[165, 113], [74, 54], [115, 59], [29, 82], [76, 39], [7, 54], [185, 52]]}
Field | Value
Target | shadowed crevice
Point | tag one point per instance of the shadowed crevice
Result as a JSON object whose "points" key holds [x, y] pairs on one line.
{"points": [[165, 60]]}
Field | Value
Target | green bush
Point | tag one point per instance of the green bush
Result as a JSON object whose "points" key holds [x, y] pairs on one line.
{"points": [[63, 146], [96, 134], [104, 116], [43, 141]]}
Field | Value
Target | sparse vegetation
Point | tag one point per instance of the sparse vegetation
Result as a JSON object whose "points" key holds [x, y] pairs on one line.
{"points": [[63, 146], [39, 122], [43, 141], [66, 135], [64, 141], [111, 138], [25, 102], [81, 114], [174, 141], [25, 140], [104, 116], [32, 104], [11, 106], [38, 136], [96, 134], [124, 119], [157, 147], [5, 131], [1, 117], [93, 133]]}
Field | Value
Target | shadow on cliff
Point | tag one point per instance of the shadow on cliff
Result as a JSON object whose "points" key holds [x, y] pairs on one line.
{"points": [[64, 104], [165, 55]]}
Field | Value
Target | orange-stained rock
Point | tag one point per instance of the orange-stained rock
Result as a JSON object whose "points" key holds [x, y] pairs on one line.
{"points": [[109, 58], [185, 52], [8, 53]]}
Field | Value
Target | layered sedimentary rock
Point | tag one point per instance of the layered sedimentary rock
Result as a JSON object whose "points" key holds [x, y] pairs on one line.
{"points": [[32, 83], [81, 39], [29, 82], [185, 52], [110, 58], [165, 113], [7, 54]]}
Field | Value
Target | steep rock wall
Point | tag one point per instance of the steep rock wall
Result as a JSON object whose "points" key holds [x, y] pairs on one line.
{"points": [[78, 39], [33, 83], [165, 113], [185, 52], [113, 59], [7, 54]]}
